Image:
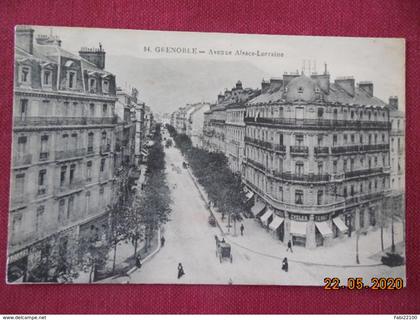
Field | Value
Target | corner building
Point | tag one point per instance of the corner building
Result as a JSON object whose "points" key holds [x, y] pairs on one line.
{"points": [[317, 157], [62, 166]]}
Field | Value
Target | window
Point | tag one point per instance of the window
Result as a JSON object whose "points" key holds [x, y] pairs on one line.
{"points": [[72, 171], [21, 149], [320, 167], [320, 140], [102, 168], [376, 161], [335, 166], [280, 165], [370, 186], [61, 210], [19, 184], [319, 197], [63, 172], [345, 192], [39, 217], [370, 139], [361, 188], [334, 139], [65, 140], [352, 114], [23, 109], [352, 138], [361, 139], [46, 78], [376, 184], [89, 171], [92, 110], [299, 168], [105, 110], [92, 85], [71, 78], [320, 112], [370, 163], [351, 164], [376, 138], [90, 142], [70, 207], [280, 193], [300, 90], [352, 190], [383, 137], [299, 197], [41, 177], [345, 138], [299, 139], [17, 222], [344, 165], [25, 74]]}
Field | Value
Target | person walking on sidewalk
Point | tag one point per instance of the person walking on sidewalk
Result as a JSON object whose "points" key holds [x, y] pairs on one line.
{"points": [[162, 241], [242, 229], [138, 262], [289, 246], [180, 270], [285, 265]]}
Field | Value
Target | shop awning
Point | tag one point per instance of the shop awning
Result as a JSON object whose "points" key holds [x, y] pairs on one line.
{"points": [[264, 218], [323, 228], [298, 228], [257, 208], [144, 152], [276, 223], [340, 224]]}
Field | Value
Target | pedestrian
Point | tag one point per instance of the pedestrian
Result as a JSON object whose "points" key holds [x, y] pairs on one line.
{"points": [[162, 241], [242, 229], [223, 240], [180, 270], [138, 262], [289, 246], [285, 265]]}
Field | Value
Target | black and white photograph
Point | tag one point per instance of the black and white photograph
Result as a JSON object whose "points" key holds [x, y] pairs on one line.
{"points": [[166, 157]]}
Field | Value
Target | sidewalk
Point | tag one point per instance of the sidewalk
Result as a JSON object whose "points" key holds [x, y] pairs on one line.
{"points": [[341, 253]]}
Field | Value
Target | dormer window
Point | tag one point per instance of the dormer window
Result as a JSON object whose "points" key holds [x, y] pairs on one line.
{"points": [[92, 85], [25, 75], [105, 86], [71, 79], [300, 90], [317, 90], [46, 78]]}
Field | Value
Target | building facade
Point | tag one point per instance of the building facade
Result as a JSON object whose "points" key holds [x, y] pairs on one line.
{"points": [[317, 157], [63, 137]]}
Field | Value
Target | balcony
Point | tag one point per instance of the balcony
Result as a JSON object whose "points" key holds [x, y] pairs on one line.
{"points": [[288, 176], [105, 148], [344, 149], [103, 176], [302, 151], [374, 147], [321, 151], [363, 172], [69, 188], [266, 145], [320, 123], [22, 160], [256, 164], [68, 154], [61, 121]]}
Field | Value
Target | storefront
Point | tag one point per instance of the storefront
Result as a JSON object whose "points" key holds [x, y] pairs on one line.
{"points": [[17, 266], [298, 233], [323, 232], [258, 208], [339, 227], [267, 217]]}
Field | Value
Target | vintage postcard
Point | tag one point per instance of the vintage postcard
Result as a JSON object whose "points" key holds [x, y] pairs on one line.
{"points": [[207, 158]]}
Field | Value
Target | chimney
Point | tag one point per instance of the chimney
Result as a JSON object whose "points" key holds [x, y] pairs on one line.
{"points": [[367, 86], [239, 85], [393, 102], [24, 38], [44, 39], [94, 55], [323, 81], [265, 85], [220, 98], [346, 83], [276, 83]]}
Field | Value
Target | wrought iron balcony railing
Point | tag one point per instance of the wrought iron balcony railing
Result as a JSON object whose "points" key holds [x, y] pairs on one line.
{"points": [[321, 151], [67, 154], [299, 150], [57, 121], [362, 172]]}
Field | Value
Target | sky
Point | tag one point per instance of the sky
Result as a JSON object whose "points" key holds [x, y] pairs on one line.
{"points": [[380, 60]]}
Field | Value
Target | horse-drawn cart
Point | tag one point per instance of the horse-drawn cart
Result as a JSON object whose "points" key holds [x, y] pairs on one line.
{"points": [[223, 250]]}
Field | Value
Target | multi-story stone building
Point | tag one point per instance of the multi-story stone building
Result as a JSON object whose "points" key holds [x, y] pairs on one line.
{"points": [[62, 166], [317, 156], [397, 146]]}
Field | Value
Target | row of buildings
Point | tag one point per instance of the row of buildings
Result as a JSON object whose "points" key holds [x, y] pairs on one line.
{"points": [[318, 157], [190, 121], [74, 132]]}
